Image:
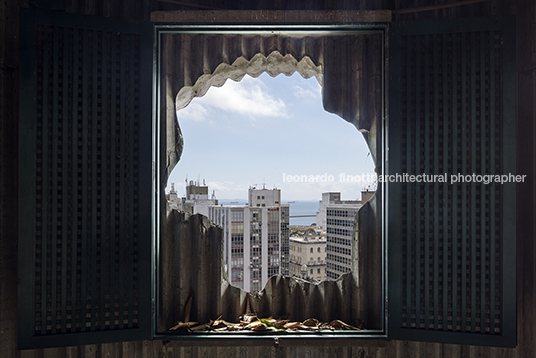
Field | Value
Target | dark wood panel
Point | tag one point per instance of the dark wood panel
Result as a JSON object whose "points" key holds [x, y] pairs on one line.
{"points": [[9, 107]]}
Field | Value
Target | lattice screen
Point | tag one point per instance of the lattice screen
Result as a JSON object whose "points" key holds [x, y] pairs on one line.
{"points": [[452, 236], [86, 209]]}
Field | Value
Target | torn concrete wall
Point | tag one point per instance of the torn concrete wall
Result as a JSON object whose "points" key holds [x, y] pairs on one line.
{"points": [[349, 67], [193, 253]]}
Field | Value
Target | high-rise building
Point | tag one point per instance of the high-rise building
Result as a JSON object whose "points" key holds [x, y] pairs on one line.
{"points": [[285, 232], [339, 223], [335, 198], [254, 236], [264, 197]]}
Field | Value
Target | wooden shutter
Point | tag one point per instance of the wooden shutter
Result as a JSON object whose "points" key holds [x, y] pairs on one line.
{"points": [[451, 246], [85, 180]]}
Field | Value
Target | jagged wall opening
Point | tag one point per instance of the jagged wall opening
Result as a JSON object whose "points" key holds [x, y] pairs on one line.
{"points": [[257, 129], [274, 64], [350, 68]]}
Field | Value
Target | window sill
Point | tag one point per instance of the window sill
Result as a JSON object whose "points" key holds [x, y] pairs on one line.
{"points": [[368, 338]]}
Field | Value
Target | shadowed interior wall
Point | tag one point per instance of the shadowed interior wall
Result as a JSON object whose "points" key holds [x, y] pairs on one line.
{"points": [[525, 11]]}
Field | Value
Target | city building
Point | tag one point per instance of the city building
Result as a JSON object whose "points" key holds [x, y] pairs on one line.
{"points": [[255, 238], [335, 198], [196, 200], [285, 231], [264, 197], [308, 255], [337, 217]]}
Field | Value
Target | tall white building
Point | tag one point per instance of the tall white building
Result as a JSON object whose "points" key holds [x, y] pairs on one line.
{"points": [[285, 243], [327, 199], [254, 235], [338, 217], [264, 197], [334, 198]]}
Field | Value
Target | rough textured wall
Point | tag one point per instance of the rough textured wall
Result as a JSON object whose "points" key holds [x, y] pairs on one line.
{"points": [[196, 247], [194, 62], [526, 76]]}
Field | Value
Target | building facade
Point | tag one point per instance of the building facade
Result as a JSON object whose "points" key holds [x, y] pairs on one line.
{"points": [[196, 200], [340, 229], [285, 233], [338, 216], [264, 197], [335, 198], [308, 255], [254, 236]]}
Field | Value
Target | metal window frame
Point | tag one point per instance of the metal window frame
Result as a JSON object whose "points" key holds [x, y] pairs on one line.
{"points": [[270, 338]]}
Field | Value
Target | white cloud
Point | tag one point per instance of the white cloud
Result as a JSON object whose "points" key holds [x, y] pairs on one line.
{"points": [[308, 92], [193, 112], [248, 97]]}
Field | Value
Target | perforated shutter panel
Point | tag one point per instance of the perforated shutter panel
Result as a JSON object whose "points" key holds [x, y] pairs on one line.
{"points": [[85, 180], [451, 273]]}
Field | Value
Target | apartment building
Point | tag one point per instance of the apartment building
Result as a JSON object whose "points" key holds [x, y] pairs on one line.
{"points": [[255, 238], [338, 216]]}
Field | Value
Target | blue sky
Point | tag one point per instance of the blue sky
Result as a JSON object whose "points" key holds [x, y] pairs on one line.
{"points": [[269, 130]]}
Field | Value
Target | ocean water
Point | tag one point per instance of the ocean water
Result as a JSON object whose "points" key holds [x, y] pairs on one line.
{"points": [[303, 207], [232, 201], [298, 207]]}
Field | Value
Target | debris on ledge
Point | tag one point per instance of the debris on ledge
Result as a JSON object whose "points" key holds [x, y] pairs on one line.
{"points": [[253, 323], [250, 322]]}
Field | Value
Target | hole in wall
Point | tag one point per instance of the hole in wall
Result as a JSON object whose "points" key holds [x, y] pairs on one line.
{"points": [[246, 138], [190, 244]]}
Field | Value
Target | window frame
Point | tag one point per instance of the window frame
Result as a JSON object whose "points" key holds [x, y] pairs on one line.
{"points": [[309, 338]]}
